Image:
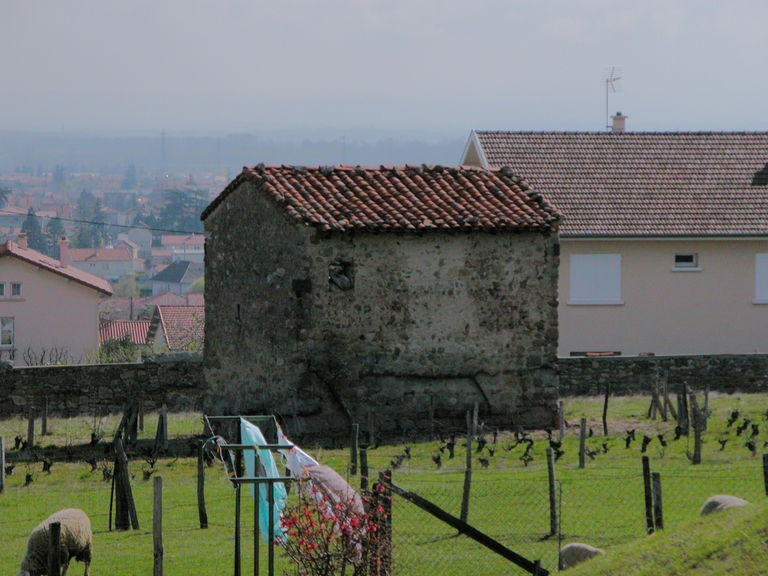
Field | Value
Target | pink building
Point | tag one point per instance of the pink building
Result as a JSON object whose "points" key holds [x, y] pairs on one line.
{"points": [[49, 310]]}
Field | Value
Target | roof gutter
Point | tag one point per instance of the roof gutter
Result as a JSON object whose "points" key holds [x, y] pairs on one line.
{"points": [[659, 237]]}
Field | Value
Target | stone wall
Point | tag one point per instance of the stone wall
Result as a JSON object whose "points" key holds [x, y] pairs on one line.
{"points": [[636, 374], [174, 380], [420, 325]]}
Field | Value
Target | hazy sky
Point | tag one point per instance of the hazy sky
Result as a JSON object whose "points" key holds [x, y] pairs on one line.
{"points": [[441, 66]]}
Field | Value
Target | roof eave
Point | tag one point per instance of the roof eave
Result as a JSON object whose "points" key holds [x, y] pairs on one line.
{"points": [[692, 236]]}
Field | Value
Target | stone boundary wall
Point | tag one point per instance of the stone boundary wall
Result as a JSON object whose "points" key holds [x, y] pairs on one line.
{"points": [[726, 373], [178, 381], [175, 380]]}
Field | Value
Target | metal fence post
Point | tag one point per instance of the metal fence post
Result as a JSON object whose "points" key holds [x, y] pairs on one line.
{"points": [[467, 473]]}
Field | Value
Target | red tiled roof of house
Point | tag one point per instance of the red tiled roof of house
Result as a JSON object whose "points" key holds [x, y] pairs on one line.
{"points": [[643, 183], [117, 329], [52, 265], [405, 198], [165, 299], [195, 299], [184, 326], [99, 254], [188, 240]]}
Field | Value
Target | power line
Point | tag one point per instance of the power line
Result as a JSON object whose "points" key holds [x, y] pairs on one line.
{"points": [[119, 225]]}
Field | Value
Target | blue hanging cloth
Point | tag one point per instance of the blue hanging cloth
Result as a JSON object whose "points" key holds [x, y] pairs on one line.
{"points": [[250, 434]]}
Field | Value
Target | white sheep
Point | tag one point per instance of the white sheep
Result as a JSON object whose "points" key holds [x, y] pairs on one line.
{"points": [[576, 553], [76, 541]]}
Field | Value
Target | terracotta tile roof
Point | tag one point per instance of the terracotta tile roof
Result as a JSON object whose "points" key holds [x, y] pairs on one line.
{"points": [[99, 254], [52, 265], [404, 198], [183, 326], [116, 330], [166, 299], [195, 299], [188, 240], [643, 184]]}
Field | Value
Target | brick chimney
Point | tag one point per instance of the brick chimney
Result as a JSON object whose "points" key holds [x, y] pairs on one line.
{"points": [[22, 241], [63, 253], [618, 123]]}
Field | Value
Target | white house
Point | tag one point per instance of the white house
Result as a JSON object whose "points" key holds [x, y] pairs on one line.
{"points": [[664, 242]]}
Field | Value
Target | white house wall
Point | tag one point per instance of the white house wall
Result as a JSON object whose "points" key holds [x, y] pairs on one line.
{"points": [[705, 310]]}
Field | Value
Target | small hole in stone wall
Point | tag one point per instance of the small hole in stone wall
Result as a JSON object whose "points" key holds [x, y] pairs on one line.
{"points": [[341, 275]]}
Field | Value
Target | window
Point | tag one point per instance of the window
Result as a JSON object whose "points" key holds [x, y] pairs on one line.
{"points": [[595, 279], [686, 263], [761, 279], [6, 332], [2, 289], [15, 289]]}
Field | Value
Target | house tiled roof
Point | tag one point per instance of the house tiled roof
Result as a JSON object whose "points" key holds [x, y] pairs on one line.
{"points": [[99, 254], [183, 326], [181, 272], [166, 299], [187, 240], [195, 299], [405, 198], [643, 184], [52, 265], [116, 330]]}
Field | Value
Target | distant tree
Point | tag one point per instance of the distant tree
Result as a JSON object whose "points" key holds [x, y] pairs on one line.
{"points": [[126, 288], [5, 193], [39, 172], [198, 286], [59, 176], [181, 210], [101, 235], [91, 230], [130, 181], [31, 227], [53, 232], [118, 350]]}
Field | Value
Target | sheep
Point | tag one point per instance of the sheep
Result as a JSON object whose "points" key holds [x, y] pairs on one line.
{"points": [[76, 542], [576, 553], [721, 502]]}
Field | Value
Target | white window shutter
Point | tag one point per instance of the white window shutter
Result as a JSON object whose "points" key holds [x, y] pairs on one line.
{"points": [[595, 279]]}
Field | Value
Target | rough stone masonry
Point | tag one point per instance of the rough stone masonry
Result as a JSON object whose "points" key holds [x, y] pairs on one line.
{"points": [[406, 330]]}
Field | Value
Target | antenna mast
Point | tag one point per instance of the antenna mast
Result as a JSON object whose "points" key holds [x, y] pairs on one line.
{"points": [[612, 79]]}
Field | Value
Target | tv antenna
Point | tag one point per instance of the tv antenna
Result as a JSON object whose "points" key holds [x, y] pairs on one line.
{"points": [[613, 77]]}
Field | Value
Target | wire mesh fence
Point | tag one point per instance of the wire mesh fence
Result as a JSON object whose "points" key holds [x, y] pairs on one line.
{"points": [[603, 508]]}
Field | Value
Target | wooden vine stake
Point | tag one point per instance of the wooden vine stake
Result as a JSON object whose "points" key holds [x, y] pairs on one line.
{"points": [[201, 511], [157, 527]]}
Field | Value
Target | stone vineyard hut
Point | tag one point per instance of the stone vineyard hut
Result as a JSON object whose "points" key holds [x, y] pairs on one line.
{"points": [[397, 296]]}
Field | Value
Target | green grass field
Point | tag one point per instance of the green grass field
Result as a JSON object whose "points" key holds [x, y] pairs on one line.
{"points": [[601, 504]]}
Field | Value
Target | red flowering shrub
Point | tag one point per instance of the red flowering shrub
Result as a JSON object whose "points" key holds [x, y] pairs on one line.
{"points": [[335, 538]]}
